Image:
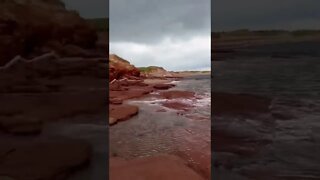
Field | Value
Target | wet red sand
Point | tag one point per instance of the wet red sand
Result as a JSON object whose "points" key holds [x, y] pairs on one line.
{"points": [[196, 149], [157, 167], [189, 141]]}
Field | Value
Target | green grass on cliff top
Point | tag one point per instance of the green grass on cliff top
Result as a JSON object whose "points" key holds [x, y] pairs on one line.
{"points": [[145, 69], [149, 69]]}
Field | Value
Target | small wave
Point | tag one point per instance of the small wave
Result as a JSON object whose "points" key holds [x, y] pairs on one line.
{"points": [[196, 102], [151, 101], [204, 102], [203, 99], [175, 82], [154, 93]]}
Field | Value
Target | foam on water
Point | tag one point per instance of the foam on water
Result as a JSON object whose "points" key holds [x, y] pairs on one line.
{"points": [[175, 82]]}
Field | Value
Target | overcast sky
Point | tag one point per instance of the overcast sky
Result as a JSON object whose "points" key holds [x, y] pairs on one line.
{"points": [[174, 34], [265, 14], [89, 8], [231, 14]]}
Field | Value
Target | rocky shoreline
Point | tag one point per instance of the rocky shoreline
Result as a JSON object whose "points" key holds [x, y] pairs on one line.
{"points": [[123, 90], [156, 84], [128, 82]]}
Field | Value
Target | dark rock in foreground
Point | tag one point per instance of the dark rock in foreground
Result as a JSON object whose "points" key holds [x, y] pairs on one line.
{"points": [[31, 28], [43, 160]]}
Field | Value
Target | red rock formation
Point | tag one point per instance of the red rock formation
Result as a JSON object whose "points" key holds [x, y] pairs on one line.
{"points": [[163, 86], [121, 112], [177, 94], [119, 68]]}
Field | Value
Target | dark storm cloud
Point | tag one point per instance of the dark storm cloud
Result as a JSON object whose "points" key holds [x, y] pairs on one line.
{"points": [[152, 20], [265, 14], [89, 8]]}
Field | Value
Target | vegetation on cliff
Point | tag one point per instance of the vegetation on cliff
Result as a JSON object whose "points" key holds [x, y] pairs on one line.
{"points": [[150, 69]]}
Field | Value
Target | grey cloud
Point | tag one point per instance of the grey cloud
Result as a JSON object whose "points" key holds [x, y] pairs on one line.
{"points": [[265, 14], [174, 34], [149, 21], [89, 8]]}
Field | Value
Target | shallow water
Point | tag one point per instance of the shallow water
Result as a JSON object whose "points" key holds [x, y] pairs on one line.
{"points": [[151, 132]]}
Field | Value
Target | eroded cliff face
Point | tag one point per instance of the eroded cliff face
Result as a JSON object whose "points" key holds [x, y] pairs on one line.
{"points": [[119, 68], [31, 28]]}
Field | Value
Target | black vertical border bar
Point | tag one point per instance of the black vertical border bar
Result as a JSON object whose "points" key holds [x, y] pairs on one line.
{"points": [[107, 96]]}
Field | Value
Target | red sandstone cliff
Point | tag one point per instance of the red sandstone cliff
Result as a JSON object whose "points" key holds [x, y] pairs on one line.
{"points": [[119, 68]]}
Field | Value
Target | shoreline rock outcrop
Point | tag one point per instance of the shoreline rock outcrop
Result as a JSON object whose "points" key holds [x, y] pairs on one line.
{"points": [[174, 94], [163, 86], [120, 68], [121, 112], [49, 159]]}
